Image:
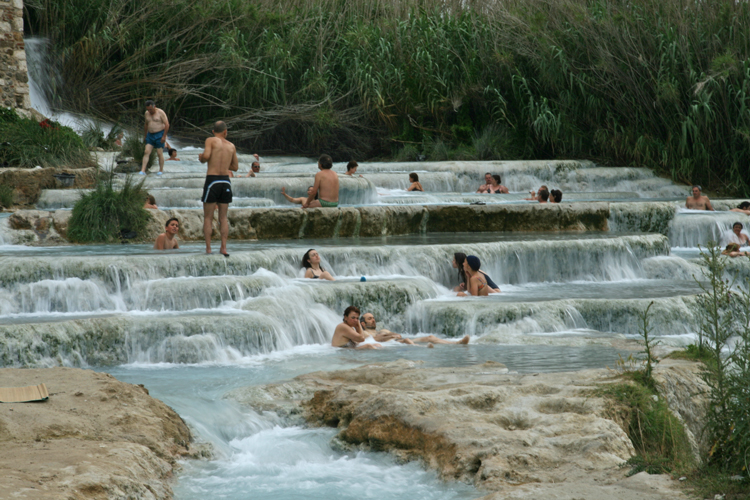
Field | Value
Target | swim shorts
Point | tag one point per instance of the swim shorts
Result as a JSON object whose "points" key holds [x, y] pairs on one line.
{"points": [[217, 189], [328, 204], [155, 139]]}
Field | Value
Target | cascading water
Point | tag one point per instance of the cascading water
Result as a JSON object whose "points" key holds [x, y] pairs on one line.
{"points": [[192, 327]]}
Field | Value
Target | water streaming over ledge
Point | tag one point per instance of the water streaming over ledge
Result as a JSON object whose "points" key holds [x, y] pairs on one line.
{"points": [[192, 327]]}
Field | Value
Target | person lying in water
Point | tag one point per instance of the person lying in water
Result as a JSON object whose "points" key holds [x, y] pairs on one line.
{"points": [[743, 208], [459, 258], [733, 250], [349, 333], [370, 329], [311, 262], [166, 240], [299, 200]]}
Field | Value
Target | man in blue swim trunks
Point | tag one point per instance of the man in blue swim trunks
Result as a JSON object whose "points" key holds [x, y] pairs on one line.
{"points": [[221, 156], [156, 128]]}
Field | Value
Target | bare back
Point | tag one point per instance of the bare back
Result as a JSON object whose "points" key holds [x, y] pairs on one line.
{"points": [[221, 156], [156, 122], [327, 183]]}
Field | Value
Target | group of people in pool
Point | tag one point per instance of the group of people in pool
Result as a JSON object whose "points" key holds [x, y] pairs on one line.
{"points": [[471, 279]]}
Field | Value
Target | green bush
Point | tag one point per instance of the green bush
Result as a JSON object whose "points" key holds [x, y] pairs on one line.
{"points": [[666, 87], [6, 196], [659, 438], [103, 214], [93, 136], [135, 148], [26, 143]]}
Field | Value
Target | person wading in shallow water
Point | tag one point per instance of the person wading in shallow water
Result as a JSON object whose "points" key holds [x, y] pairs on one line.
{"points": [[349, 333], [326, 186], [221, 156], [156, 128]]}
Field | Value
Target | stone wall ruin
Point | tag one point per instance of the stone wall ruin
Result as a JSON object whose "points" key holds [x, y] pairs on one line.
{"points": [[14, 79]]}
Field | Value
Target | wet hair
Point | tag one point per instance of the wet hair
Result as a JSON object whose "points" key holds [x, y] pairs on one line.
{"points": [[738, 224], [325, 162], [306, 261], [149, 102], [150, 198], [544, 194], [473, 262], [170, 220], [732, 247], [171, 150], [220, 127], [556, 195], [352, 164], [414, 177], [460, 258], [696, 186], [349, 309], [316, 194], [497, 178], [745, 205]]}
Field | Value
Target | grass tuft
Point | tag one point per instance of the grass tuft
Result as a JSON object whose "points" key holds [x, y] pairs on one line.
{"points": [[102, 215]]}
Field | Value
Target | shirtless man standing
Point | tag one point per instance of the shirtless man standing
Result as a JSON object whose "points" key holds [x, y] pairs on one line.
{"points": [[156, 128], [326, 186], [166, 240], [698, 201], [371, 330], [349, 333], [221, 156]]}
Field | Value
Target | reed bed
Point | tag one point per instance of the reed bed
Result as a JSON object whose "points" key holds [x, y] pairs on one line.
{"points": [[662, 84]]}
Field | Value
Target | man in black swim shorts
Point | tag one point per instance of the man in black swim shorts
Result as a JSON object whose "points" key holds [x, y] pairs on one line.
{"points": [[221, 156]]}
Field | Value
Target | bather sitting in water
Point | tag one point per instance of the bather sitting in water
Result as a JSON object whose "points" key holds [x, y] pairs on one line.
{"points": [[150, 203], [415, 184], [495, 187], [743, 208], [299, 200], [698, 201], [733, 250], [167, 240], [477, 283], [349, 332], [737, 236], [370, 329], [534, 195], [311, 262], [458, 263], [555, 196]]}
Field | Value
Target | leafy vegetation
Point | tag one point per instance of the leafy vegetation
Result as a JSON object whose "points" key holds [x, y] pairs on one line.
{"points": [[106, 213], [6, 196], [660, 84], [658, 437], [26, 143], [93, 136]]}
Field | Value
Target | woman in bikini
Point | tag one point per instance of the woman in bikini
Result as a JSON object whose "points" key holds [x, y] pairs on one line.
{"points": [[415, 184], [311, 262], [478, 284], [495, 187]]}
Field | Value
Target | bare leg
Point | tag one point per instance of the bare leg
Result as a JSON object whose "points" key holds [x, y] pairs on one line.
{"points": [[435, 340], [224, 228], [146, 156], [208, 223], [160, 154]]}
